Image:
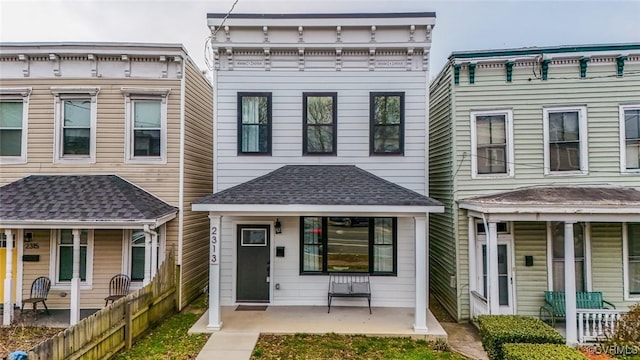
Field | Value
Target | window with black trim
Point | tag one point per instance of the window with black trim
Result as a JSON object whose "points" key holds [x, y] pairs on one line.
{"points": [[386, 113], [254, 123], [319, 123], [348, 244]]}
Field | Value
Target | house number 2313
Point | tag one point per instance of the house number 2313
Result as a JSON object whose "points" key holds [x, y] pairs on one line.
{"points": [[214, 246]]}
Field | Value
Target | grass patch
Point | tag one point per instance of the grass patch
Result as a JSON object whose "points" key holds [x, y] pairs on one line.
{"points": [[334, 346], [170, 339], [20, 337]]}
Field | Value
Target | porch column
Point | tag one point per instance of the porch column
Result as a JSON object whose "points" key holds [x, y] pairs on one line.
{"points": [[472, 263], [74, 315], [493, 283], [147, 256], [215, 316], [420, 322], [154, 253], [570, 284], [8, 281]]}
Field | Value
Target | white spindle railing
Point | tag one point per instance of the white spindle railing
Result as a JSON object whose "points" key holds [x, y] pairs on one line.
{"points": [[479, 304], [595, 324]]}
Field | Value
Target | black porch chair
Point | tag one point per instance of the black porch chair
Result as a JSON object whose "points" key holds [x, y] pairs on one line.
{"points": [[118, 288], [39, 293]]}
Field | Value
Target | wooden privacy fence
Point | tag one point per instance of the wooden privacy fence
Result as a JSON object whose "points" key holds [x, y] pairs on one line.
{"points": [[104, 333]]}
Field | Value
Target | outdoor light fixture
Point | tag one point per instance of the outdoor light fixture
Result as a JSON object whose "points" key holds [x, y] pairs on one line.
{"points": [[278, 227]]}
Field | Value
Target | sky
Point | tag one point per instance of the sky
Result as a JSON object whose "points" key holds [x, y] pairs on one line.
{"points": [[460, 25]]}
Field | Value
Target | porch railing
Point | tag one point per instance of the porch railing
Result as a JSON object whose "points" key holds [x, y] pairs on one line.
{"points": [[596, 324], [479, 304]]}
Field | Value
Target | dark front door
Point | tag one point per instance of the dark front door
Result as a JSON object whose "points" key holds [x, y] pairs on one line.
{"points": [[253, 263]]}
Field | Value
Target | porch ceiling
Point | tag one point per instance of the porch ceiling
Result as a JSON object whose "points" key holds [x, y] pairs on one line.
{"points": [[87, 200], [318, 188], [597, 203]]}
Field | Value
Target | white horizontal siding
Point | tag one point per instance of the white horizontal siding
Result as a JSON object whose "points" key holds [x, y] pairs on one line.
{"points": [[353, 90]]}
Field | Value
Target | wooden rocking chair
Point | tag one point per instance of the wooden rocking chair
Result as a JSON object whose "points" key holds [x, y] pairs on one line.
{"points": [[118, 288], [39, 293]]}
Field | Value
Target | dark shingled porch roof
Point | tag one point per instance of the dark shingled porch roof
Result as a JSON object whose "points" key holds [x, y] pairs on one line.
{"points": [[319, 185], [79, 198]]}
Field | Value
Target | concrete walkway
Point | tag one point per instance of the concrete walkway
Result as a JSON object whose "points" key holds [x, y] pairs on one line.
{"points": [[464, 338], [229, 346]]}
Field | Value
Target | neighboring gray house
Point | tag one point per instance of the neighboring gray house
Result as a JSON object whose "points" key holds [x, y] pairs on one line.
{"points": [[320, 147], [528, 147]]}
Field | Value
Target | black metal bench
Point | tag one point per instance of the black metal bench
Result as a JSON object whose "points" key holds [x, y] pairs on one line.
{"points": [[349, 285]]}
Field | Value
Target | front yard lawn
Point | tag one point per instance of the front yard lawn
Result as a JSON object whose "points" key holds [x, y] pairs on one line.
{"points": [[334, 346]]}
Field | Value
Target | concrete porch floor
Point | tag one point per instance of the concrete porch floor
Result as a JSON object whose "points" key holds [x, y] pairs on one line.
{"points": [[315, 320], [58, 318]]}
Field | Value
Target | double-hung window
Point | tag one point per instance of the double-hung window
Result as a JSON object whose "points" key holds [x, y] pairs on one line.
{"points": [[62, 256], [319, 123], [254, 123], [557, 254], [146, 125], [76, 121], [565, 134], [491, 143], [632, 260], [348, 244], [135, 262], [630, 138], [14, 106], [386, 113]]}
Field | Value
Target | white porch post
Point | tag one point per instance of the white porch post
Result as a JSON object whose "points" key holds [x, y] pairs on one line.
{"points": [[8, 281], [570, 284], [493, 284], [74, 316], [147, 256], [154, 253], [420, 322], [472, 262], [215, 316]]}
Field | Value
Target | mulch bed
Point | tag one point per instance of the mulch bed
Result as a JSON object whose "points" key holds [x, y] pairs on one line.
{"points": [[19, 337]]}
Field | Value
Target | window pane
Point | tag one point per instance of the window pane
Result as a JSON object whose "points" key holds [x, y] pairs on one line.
{"points": [[10, 142], [312, 239], [383, 231], [490, 130], [492, 160], [11, 114], [633, 242], [76, 141], [348, 246], [387, 109], [312, 230], [254, 237], [558, 255], [137, 238], [633, 155], [319, 110], [146, 143], [319, 139], [66, 236], [65, 263], [146, 114], [564, 156], [254, 138], [564, 126], [255, 110], [137, 263], [386, 139], [383, 258], [77, 113], [632, 124]]}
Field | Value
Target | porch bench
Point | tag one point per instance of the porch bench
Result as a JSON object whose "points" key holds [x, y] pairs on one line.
{"points": [[555, 304], [349, 285]]}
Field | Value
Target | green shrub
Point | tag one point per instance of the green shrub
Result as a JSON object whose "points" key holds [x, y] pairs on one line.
{"points": [[627, 331], [541, 352], [497, 330]]}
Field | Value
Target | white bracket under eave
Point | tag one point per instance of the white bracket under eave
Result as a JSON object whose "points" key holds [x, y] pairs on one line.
{"points": [[301, 59], [164, 73], [338, 59], [409, 59], [25, 64], [94, 64], [372, 59], [56, 64], [127, 65], [267, 59], [178, 61], [230, 59]]}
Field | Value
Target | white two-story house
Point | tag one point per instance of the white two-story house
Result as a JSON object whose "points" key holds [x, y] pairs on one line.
{"points": [[320, 147]]}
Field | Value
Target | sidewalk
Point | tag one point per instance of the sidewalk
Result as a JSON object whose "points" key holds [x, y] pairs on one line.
{"points": [[464, 339], [229, 346]]}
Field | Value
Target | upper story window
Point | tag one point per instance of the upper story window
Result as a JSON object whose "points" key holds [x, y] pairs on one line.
{"points": [[319, 123], [630, 138], [14, 107], [386, 113], [254, 123], [75, 124], [565, 140], [146, 125], [492, 143]]}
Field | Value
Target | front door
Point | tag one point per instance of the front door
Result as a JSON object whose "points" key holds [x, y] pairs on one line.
{"points": [[253, 268], [3, 265], [505, 278]]}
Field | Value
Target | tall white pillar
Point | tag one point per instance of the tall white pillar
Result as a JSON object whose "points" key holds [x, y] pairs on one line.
{"points": [[147, 256], [472, 262], [154, 253], [8, 281], [215, 314], [493, 283], [74, 315], [420, 322], [570, 285]]}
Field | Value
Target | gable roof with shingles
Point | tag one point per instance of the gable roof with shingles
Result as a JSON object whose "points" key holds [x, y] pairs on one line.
{"points": [[319, 185], [79, 198]]}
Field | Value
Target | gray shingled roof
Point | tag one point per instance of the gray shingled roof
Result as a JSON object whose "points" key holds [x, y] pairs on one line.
{"points": [[80, 198], [319, 185], [554, 196]]}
